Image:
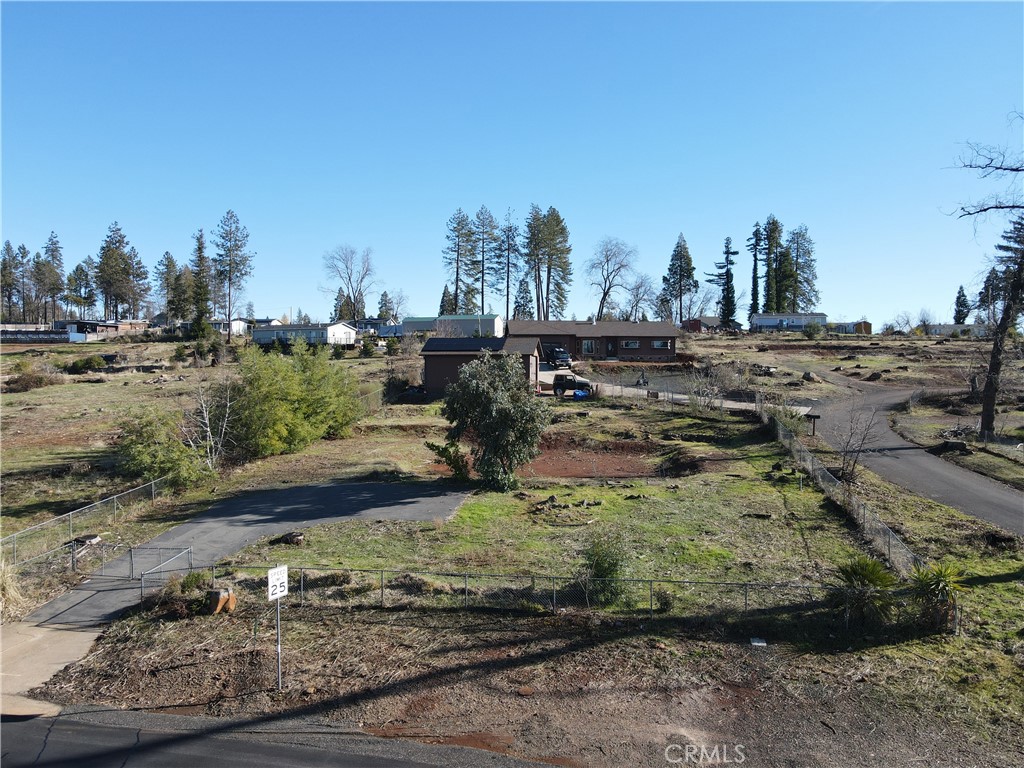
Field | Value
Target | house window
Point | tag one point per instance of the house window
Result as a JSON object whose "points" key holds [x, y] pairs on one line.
{"points": [[661, 344], [631, 344], [588, 346]]}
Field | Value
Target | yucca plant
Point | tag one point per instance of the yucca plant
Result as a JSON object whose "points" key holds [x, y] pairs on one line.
{"points": [[936, 589], [865, 594]]}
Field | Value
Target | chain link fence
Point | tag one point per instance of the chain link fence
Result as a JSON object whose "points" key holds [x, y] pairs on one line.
{"points": [[62, 537], [887, 543], [775, 608]]}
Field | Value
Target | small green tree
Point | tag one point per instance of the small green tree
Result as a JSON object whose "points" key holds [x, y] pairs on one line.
{"points": [[812, 330], [604, 560], [368, 347], [865, 594], [152, 445], [492, 406]]}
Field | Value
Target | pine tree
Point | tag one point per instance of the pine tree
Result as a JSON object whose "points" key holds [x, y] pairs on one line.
{"points": [[772, 244], [385, 307], [506, 262], [523, 309], [202, 277], [54, 284], [755, 244], [533, 255], [448, 306], [558, 267], [114, 272], [679, 281], [990, 296], [961, 307], [166, 275], [800, 288], [458, 260], [8, 282], [181, 305], [724, 280], [233, 263], [80, 291], [487, 249]]}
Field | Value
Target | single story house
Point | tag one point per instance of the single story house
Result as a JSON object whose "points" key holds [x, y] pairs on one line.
{"points": [[314, 333], [974, 330], [861, 327], [442, 357], [786, 321], [603, 340], [373, 325], [453, 326], [706, 324], [239, 326], [259, 322]]}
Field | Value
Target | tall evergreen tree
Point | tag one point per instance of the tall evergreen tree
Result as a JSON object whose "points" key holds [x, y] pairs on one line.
{"points": [[533, 255], [8, 282], [233, 262], [506, 263], [523, 309], [166, 274], [181, 305], [679, 280], [385, 307], [990, 297], [114, 272], [202, 279], [487, 249], [54, 256], [961, 307], [448, 305], [459, 261], [755, 244], [724, 280], [772, 244], [800, 286], [48, 283], [80, 292], [558, 267]]}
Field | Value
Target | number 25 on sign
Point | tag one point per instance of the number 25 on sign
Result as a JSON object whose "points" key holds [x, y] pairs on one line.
{"points": [[277, 582]]}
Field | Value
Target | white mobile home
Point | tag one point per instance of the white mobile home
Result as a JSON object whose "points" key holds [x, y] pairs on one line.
{"points": [[316, 333]]}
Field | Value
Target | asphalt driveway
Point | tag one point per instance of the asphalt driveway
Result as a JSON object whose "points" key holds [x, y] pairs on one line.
{"points": [[234, 523]]}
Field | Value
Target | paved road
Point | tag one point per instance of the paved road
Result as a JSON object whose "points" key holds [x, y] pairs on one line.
{"points": [[232, 524], [143, 740], [910, 466]]}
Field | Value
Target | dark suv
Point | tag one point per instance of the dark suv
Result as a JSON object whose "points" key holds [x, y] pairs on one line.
{"points": [[557, 357]]}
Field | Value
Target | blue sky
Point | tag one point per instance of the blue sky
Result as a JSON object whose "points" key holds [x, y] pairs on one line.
{"points": [[370, 123]]}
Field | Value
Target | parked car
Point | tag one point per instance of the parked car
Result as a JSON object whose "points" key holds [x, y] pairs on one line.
{"points": [[557, 357], [570, 382]]}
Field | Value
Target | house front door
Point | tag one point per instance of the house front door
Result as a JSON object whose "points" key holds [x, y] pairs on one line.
{"points": [[612, 347]]}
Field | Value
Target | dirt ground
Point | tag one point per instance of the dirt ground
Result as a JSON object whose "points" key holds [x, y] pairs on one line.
{"points": [[564, 690]]}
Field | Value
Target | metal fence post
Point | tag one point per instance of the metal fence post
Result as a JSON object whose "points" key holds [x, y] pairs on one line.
{"points": [[554, 596], [650, 589], [465, 590], [71, 525], [302, 587], [74, 556], [746, 596], [131, 563], [190, 558], [382, 588]]}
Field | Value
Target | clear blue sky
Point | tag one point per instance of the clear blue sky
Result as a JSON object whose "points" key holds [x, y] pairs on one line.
{"points": [[370, 123]]}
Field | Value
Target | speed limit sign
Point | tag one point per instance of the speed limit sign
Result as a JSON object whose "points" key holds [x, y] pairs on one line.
{"points": [[277, 582]]}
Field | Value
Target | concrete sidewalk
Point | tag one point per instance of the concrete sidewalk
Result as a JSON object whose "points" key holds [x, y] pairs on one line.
{"points": [[30, 654]]}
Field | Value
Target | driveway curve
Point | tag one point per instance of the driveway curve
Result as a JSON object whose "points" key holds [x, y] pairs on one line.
{"points": [[234, 523], [910, 466]]}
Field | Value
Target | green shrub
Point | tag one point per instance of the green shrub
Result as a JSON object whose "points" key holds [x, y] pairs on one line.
{"points": [[865, 594], [664, 601], [180, 354], [151, 446], [394, 346], [368, 348], [935, 589], [812, 330], [194, 580], [604, 560], [337, 352], [86, 364], [450, 455], [30, 380]]}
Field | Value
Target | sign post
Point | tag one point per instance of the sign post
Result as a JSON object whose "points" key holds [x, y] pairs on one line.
{"points": [[277, 587]]}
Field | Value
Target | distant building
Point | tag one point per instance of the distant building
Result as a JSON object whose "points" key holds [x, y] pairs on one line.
{"points": [[707, 324], [455, 326], [860, 327], [314, 333], [603, 340], [973, 330], [786, 321]]}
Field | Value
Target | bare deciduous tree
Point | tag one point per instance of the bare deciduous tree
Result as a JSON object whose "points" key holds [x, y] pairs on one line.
{"points": [[353, 270], [609, 268], [640, 295], [995, 163], [855, 437]]}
